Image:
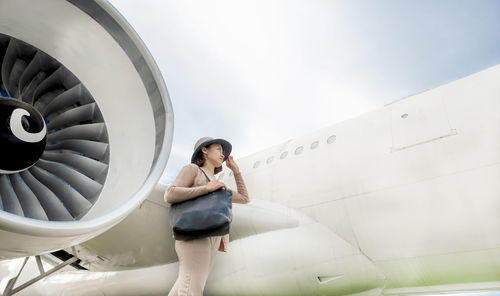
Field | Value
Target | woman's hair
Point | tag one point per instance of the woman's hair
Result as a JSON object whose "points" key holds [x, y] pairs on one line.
{"points": [[199, 160]]}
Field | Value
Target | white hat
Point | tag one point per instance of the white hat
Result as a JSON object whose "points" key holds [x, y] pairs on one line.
{"points": [[205, 141]]}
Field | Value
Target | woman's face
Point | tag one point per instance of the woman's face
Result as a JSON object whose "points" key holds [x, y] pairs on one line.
{"points": [[214, 154]]}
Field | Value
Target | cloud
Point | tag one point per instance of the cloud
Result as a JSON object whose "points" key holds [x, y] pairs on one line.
{"points": [[261, 72]]}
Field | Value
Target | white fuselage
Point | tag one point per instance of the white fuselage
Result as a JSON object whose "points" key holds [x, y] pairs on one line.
{"points": [[394, 201]]}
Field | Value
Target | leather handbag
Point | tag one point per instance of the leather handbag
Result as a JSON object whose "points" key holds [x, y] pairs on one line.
{"points": [[206, 215]]}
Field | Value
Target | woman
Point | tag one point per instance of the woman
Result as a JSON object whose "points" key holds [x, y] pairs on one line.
{"points": [[196, 257]]}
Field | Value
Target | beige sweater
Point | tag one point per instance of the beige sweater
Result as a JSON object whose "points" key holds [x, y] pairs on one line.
{"points": [[191, 182]]}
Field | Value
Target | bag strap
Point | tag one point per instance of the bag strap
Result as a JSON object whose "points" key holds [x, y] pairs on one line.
{"points": [[208, 179]]}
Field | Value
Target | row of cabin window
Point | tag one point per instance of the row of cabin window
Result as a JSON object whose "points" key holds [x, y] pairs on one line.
{"points": [[283, 155]]}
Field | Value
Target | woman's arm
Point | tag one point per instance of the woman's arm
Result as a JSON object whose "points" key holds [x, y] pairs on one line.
{"points": [[241, 196], [176, 194], [180, 189]]}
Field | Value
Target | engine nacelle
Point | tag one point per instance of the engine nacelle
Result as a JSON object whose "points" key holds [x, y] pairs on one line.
{"points": [[86, 123]]}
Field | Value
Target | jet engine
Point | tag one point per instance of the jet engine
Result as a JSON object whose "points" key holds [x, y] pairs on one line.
{"points": [[86, 123]]}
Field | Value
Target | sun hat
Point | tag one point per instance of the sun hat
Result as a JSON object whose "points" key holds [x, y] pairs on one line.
{"points": [[205, 141]]}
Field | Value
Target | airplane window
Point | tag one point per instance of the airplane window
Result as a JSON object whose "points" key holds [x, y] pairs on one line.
{"points": [[269, 160], [299, 150], [256, 164], [331, 139], [314, 145], [283, 155]]}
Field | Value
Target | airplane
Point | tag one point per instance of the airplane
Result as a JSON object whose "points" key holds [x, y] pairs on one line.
{"points": [[402, 200]]}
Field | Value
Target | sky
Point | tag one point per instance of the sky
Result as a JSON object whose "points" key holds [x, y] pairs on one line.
{"points": [[258, 73]]}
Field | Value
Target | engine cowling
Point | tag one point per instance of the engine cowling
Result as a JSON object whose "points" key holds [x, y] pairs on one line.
{"points": [[86, 123]]}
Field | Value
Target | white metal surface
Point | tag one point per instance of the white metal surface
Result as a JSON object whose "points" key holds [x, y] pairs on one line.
{"points": [[352, 217], [405, 200], [127, 86]]}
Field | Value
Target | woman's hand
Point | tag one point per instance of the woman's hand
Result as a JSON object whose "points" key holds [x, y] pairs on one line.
{"points": [[214, 185], [230, 163]]}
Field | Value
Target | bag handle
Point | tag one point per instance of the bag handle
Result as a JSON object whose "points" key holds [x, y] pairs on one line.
{"points": [[208, 179]]}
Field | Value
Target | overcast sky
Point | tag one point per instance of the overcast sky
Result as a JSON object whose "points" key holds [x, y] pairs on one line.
{"points": [[258, 73]]}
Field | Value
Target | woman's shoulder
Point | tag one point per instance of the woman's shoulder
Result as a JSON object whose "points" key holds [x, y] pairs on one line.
{"points": [[186, 175], [191, 167]]}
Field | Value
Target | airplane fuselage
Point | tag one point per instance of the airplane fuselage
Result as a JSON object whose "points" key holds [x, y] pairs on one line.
{"points": [[402, 199]]}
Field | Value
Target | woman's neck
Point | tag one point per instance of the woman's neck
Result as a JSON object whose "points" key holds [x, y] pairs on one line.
{"points": [[208, 168]]}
